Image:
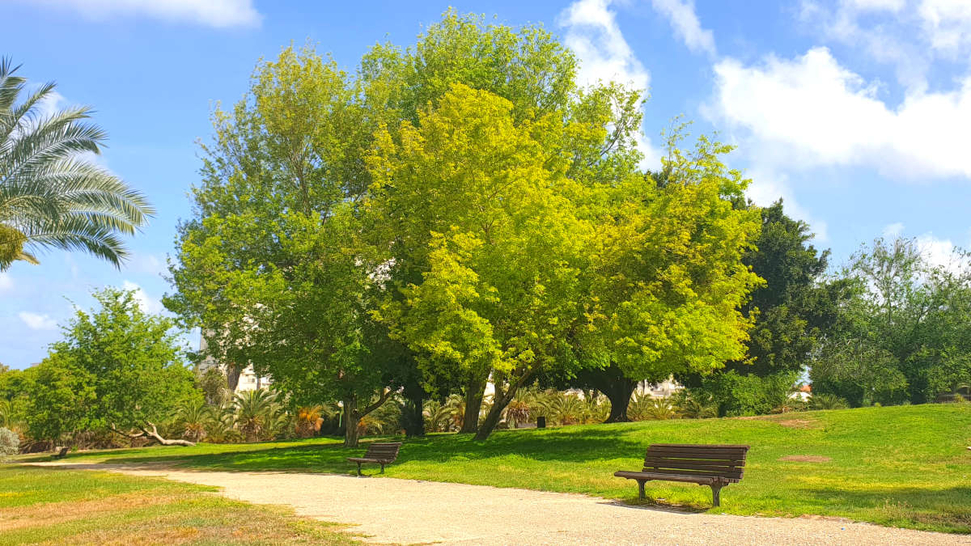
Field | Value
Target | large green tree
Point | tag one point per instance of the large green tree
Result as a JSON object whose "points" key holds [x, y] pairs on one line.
{"points": [[118, 368], [796, 305], [668, 285], [270, 265], [50, 195], [478, 195], [586, 133], [459, 193]]}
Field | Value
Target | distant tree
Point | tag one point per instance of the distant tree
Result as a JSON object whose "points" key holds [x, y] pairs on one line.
{"points": [[905, 335], [212, 383], [117, 368], [50, 196]]}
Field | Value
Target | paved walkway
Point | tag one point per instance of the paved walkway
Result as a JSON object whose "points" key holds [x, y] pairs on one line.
{"points": [[389, 510]]}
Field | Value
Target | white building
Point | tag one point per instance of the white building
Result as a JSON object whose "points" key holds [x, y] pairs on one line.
{"points": [[248, 380]]}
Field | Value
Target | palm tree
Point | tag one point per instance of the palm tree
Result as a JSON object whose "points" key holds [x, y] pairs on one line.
{"points": [[50, 197], [438, 416], [192, 420], [258, 415]]}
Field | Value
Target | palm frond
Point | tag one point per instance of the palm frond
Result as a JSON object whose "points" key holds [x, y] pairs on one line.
{"points": [[49, 193]]}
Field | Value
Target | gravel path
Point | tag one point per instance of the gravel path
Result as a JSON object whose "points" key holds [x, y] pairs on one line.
{"points": [[389, 510]]}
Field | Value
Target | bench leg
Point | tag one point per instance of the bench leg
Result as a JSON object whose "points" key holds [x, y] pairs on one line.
{"points": [[716, 489], [359, 469], [382, 468], [640, 489]]}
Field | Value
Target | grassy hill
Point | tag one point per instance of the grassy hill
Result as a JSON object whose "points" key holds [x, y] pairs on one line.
{"points": [[905, 466]]}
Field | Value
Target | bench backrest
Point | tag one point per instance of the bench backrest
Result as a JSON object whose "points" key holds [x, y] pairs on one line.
{"points": [[383, 451], [724, 461]]}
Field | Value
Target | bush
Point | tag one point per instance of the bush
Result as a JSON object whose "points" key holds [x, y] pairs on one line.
{"points": [[825, 401], [695, 404], [738, 395], [646, 408], [9, 443]]}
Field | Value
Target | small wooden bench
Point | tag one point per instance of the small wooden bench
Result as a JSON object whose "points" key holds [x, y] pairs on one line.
{"points": [[381, 453], [60, 452], [713, 465]]}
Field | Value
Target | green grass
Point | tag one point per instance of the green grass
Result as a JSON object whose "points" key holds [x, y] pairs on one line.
{"points": [[59, 506], [905, 466]]}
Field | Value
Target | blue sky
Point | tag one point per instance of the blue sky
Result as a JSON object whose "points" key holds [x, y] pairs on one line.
{"points": [[857, 112]]}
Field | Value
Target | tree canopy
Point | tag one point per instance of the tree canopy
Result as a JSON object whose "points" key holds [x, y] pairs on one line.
{"points": [[459, 211], [117, 368]]}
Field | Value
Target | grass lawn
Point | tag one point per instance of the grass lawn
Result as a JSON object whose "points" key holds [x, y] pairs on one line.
{"points": [[905, 466], [58, 506]]}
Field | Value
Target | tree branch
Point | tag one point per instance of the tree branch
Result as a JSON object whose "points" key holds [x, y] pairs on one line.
{"points": [[385, 394]]}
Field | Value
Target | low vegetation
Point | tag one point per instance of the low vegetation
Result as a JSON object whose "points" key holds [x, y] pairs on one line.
{"points": [[905, 466], [51, 505]]}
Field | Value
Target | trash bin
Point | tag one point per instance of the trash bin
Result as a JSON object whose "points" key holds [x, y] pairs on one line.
{"points": [[541, 422]]}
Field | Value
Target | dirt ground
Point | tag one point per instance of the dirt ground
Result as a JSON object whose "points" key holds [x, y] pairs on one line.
{"points": [[416, 512]]}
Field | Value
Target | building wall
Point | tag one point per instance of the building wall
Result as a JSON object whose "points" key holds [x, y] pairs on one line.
{"points": [[248, 380]]}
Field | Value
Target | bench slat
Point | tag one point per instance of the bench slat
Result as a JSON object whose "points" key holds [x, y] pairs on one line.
{"points": [[692, 463], [712, 471], [684, 478], [683, 472], [698, 453]]}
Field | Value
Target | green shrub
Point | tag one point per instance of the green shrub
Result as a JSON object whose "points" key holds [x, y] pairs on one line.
{"points": [[824, 401], [738, 395], [695, 404]]}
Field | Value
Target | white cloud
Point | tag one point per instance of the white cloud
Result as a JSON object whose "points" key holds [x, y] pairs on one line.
{"points": [[910, 35], [876, 5], [947, 24], [811, 111], [684, 21], [214, 13], [6, 282], [893, 230], [36, 321], [146, 302], [593, 34]]}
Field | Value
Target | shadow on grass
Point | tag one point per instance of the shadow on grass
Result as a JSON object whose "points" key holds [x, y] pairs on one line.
{"points": [[331, 458]]}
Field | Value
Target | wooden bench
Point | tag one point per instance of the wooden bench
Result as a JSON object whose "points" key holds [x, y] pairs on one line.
{"points": [[713, 465], [378, 453], [60, 452]]}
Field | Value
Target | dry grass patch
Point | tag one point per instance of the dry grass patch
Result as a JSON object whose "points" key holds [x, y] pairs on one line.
{"points": [[52, 513], [798, 423], [56, 506]]}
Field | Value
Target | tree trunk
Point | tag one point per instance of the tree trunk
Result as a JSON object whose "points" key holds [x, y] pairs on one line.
{"points": [[619, 395], [232, 377], [499, 403], [414, 417], [351, 418], [474, 392], [617, 387], [491, 420], [353, 415], [153, 434]]}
